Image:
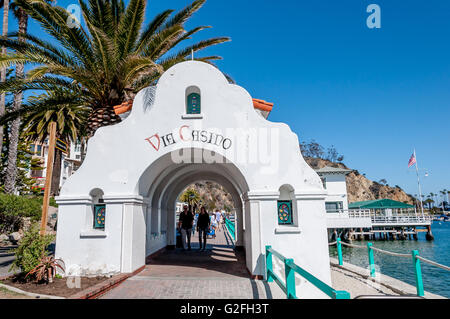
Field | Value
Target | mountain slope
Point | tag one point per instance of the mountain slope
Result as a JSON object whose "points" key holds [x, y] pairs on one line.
{"points": [[360, 188]]}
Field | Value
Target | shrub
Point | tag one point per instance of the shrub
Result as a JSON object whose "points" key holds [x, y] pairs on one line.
{"points": [[52, 202], [32, 248], [14, 208], [46, 269]]}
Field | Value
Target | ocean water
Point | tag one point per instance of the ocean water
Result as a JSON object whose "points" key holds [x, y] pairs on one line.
{"points": [[436, 280]]}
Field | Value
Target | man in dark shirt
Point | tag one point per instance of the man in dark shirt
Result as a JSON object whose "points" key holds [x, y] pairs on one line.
{"points": [[185, 224], [202, 226]]}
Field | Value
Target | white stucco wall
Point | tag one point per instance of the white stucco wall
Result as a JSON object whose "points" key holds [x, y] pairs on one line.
{"points": [[139, 176]]}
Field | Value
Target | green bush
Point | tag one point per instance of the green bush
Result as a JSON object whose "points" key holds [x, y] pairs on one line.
{"points": [[31, 249], [52, 202], [13, 208]]}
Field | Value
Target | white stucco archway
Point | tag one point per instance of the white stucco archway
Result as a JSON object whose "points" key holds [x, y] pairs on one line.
{"points": [[141, 164], [162, 183]]}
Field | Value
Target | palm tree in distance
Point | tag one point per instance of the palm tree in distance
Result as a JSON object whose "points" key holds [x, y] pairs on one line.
{"points": [[105, 62], [444, 193], [14, 127], [11, 168], [190, 196], [431, 196], [429, 201], [70, 121]]}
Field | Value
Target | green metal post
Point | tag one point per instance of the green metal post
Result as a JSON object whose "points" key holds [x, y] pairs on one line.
{"points": [[339, 249], [269, 264], [418, 272], [341, 294], [290, 279], [371, 260]]}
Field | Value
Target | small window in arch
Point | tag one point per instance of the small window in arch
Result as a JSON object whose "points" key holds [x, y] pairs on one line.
{"points": [[193, 104], [99, 216], [285, 212], [193, 100], [99, 209]]}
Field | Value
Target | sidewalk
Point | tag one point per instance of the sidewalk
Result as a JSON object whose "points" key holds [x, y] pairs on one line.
{"points": [[219, 272], [6, 259]]}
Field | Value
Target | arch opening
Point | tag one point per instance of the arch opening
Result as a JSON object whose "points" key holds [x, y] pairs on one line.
{"points": [[163, 182]]}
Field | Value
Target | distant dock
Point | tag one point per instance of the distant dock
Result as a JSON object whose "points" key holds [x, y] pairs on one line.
{"points": [[371, 225]]}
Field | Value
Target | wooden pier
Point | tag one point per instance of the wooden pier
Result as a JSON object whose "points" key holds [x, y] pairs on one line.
{"points": [[358, 225]]}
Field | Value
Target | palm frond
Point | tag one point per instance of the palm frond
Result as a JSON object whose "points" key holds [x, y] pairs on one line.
{"points": [[53, 19], [129, 26], [151, 29], [183, 15]]}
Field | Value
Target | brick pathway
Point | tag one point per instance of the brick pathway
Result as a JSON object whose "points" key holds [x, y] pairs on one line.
{"points": [[219, 272]]}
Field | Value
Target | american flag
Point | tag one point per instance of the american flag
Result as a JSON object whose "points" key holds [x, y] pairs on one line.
{"points": [[412, 160]]}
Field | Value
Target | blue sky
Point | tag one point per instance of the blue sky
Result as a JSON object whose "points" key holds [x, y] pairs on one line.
{"points": [[374, 94]]}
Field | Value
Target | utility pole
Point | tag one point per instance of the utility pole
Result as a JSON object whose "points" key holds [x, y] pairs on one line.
{"points": [[48, 176]]}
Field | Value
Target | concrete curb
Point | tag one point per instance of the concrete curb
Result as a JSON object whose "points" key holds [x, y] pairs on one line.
{"points": [[6, 277], [100, 289], [398, 286], [30, 294]]}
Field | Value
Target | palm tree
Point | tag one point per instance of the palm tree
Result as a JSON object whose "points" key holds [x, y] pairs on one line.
{"points": [[109, 60], [190, 196], [429, 201], [5, 5], [444, 194], [11, 168], [432, 197], [70, 121], [102, 64]]}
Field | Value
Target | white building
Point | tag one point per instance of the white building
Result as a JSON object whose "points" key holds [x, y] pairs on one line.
{"points": [[69, 162], [336, 201], [119, 206], [354, 219], [335, 183]]}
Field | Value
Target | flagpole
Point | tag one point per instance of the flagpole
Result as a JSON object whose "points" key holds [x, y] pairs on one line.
{"points": [[418, 183]]}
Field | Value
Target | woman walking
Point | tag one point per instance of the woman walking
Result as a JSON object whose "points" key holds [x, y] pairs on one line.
{"points": [[203, 223]]}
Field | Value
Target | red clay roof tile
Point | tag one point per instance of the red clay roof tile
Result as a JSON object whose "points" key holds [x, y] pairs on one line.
{"points": [[257, 104]]}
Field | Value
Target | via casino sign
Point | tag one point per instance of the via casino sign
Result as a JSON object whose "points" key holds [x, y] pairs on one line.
{"points": [[185, 134]]}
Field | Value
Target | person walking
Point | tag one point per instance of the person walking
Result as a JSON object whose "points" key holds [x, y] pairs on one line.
{"points": [[203, 223], [213, 225], [194, 227], [185, 224], [218, 219]]}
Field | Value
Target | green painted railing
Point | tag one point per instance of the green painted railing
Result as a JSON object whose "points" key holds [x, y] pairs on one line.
{"points": [[290, 268], [231, 228], [415, 260]]}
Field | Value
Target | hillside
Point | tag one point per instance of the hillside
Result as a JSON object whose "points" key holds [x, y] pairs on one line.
{"points": [[213, 195], [360, 188]]}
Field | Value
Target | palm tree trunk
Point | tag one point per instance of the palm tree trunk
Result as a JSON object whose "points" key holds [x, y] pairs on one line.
{"points": [[11, 169], [83, 149], [3, 70], [101, 117], [54, 188]]}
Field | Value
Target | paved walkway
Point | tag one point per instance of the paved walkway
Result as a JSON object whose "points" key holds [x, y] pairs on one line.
{"points": [[219, 272], [6, 259]]}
